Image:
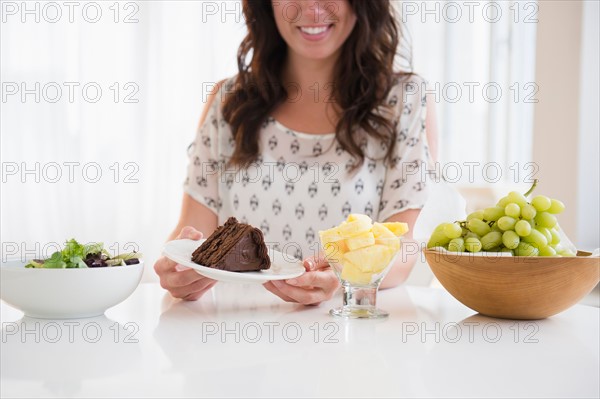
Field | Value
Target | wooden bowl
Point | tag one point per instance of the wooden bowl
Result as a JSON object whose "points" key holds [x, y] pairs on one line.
{"points": [[515, 287]]}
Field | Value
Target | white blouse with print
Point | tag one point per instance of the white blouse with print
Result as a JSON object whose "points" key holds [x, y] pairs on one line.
{"points": [[301, 182]]}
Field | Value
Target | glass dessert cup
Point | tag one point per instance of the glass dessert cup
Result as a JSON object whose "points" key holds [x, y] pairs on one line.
{"points": [[360, 292]]}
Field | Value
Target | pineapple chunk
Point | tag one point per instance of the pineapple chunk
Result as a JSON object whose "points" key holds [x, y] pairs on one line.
{"points": [[385, 261], [362, 248], [335, 250], [393, 243], [357, 216], [354, 228], [381, 231], [398, 228], [353, 274], [330, 236], [345, 230], [360, 241], [370, 259]]}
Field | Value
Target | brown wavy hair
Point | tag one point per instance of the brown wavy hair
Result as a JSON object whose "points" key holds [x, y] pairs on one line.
{"points": [[365, 74]]}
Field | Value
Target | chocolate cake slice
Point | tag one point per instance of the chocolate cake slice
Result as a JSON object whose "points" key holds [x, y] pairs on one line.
{"points": [[236, 247]]}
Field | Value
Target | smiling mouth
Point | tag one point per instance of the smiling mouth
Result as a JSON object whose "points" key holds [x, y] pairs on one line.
{"points": [[315, 30]]}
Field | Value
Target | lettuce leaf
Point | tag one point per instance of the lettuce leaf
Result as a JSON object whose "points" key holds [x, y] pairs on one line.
{"points": [[55, 261], [129, 255], [75, 255], [35, 263], [93, 248]]}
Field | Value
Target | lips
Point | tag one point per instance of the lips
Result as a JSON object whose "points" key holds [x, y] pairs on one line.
{"points": [[314, 33], [314, 30]]}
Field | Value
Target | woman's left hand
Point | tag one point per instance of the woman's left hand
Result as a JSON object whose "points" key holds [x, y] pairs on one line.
{"points": [[318, 284]]}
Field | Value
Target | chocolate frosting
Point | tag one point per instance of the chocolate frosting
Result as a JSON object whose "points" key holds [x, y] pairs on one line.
{"points": [[234, 247]]}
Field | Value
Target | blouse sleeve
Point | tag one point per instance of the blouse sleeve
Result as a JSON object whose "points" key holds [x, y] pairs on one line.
{"points": [[405, 184], [202, 182]]}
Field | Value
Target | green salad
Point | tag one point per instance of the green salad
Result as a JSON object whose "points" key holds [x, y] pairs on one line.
{"points": [[76, 255]]}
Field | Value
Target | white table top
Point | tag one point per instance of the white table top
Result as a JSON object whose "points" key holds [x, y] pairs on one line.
{"points": [[189, 349]]}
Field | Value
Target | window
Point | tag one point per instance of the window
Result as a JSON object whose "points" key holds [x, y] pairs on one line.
{"points": [[479, 59]]}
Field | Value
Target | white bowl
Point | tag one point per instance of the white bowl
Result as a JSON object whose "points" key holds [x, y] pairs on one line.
{"points": [[66, 293]]}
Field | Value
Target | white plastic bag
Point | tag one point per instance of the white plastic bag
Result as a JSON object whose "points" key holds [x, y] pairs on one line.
{"points": [[564, 240], [445, 204]]}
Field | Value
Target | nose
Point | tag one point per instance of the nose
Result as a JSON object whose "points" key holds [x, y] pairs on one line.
{"points": [[319, 11]]}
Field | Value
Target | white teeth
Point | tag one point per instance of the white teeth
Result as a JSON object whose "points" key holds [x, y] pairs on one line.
{"points": [[313, 30]]}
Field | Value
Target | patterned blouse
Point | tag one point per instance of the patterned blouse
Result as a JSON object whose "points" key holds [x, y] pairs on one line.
{"points": [[302, 183]]}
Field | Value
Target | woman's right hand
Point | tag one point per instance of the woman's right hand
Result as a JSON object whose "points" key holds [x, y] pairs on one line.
{"points": [[183, 282]]}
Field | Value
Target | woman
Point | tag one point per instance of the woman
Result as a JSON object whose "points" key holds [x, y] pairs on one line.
{"points": [[315, 125]]}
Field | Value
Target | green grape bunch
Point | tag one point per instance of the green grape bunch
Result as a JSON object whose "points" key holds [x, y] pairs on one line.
{"points": [[514, 224]]}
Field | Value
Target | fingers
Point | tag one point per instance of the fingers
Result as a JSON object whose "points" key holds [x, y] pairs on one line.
{"points": [[274, 290], [190, 233], [181, 268], [181, 279], [193, 291], [321, 279], [304, 296], [315, 263], [196, 295], [309, 289], [164, 265]]}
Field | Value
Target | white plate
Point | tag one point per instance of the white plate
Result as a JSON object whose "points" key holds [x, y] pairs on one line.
{"points": [[282, 267]]}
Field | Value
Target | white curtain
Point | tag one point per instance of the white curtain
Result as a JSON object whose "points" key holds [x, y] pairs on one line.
{"points": [[161, 65], [160, 58]]}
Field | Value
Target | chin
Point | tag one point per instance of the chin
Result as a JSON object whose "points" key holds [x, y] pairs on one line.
{"points": [[316, 54], [317, 57]]}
